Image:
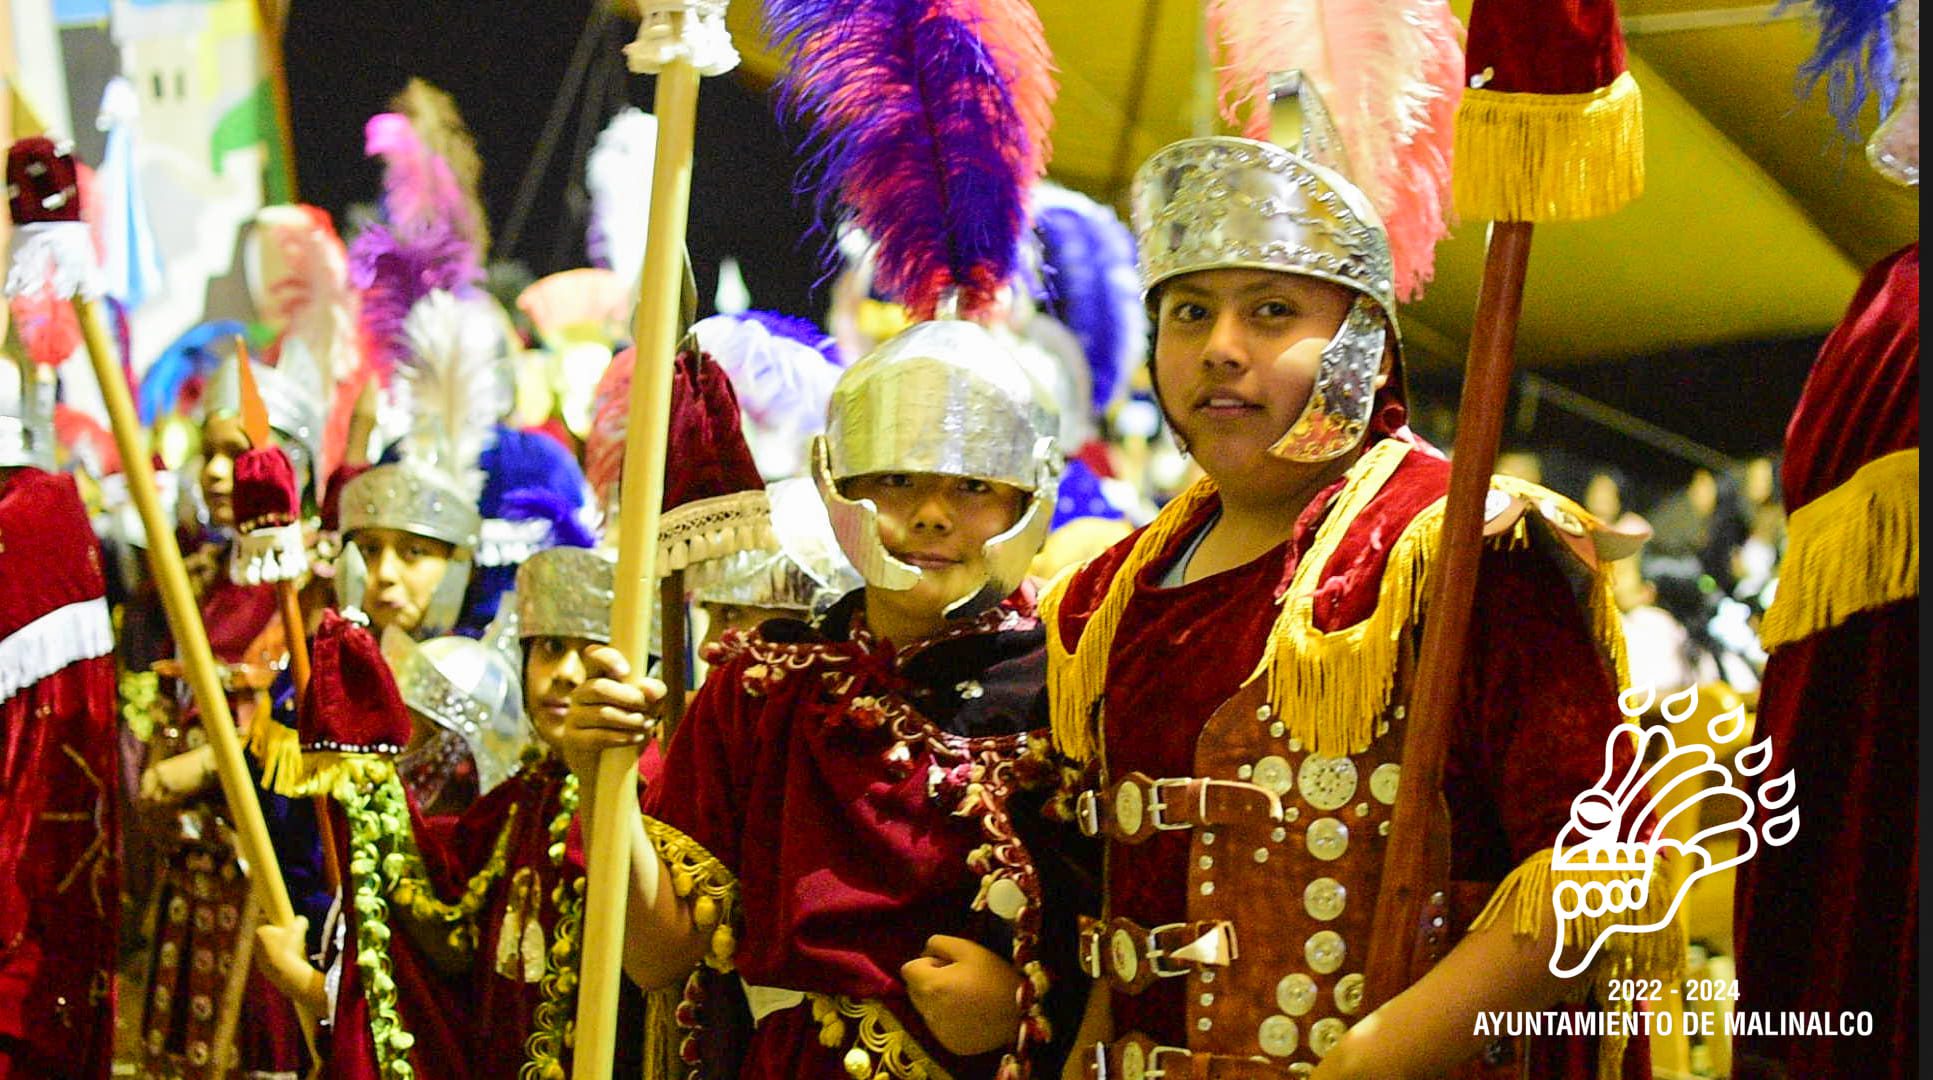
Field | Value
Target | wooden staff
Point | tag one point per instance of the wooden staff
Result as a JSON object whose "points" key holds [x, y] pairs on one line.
{"points": [[184, 622], [1416, 863], [655, 334], [294, 630], [673, 630]]}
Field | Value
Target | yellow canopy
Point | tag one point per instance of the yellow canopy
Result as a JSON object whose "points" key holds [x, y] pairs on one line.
{"points": [[1756, 223]]}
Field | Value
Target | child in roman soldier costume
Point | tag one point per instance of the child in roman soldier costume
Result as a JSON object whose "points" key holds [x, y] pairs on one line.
{"points": [[1234, 675], [207, 1010], [59, 780], [843, 817], [1842, 682], [530, 925]]}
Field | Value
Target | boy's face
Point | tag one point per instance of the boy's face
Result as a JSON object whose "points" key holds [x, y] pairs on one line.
{"points": [[1235, 358], [939, 524], [222, 441], [404, 571], [553, 667]]}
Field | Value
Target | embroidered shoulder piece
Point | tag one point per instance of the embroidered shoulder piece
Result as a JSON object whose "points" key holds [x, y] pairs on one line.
{"points": [[698, 877]]}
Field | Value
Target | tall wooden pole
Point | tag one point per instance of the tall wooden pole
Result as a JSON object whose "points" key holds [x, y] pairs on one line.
{"points": [[184, 622], [1415, 865], [655, 333]]}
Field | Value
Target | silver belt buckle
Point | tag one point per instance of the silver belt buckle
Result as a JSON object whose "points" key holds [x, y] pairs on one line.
{"points": [[1158, 803]]}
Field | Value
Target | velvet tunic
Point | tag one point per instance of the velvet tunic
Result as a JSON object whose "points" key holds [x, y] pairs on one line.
{"points": [[1537, 701], [820, 785]]}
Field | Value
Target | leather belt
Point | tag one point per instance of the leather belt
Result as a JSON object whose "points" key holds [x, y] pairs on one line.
{"points": [[1137, 807], [1131, 956], [1137, 1057]]}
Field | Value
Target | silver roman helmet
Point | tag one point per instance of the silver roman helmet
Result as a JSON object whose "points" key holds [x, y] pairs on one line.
{"points": [[466, 687], [414, 500], [1225, 202], [940, 397], [566, 592]]}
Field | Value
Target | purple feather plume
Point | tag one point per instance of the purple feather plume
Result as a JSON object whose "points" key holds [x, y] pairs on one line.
{"points": [[396, 267], [1854, 58], [426, 240], [543, 504], [1088, 282], [920, 133], [804, 331]]}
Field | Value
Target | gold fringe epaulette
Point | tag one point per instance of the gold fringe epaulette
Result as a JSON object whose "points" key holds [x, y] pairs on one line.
{"points": [[1549, 157], [1525, 898], [699, 877], [1330, 689], [1853, 549]]}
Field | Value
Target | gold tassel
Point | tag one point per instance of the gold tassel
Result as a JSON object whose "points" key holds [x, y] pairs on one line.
{"points": [[1855, 548], [1549, 157], [278, 750], [322, 771], [1525, 897], [1075, 679]]}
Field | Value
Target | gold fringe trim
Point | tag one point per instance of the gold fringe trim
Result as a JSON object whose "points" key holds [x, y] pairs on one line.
{"points": [[325, 772], [1331, 688], [278, 749], [662, 1035], [698, 876], [1607, 624], [1525, 898], [880, 1048], [1549, 157], [1075, 679], [1855, 548]]}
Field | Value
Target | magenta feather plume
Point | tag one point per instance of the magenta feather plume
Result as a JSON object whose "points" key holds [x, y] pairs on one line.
{"points": [[419, 187], [1391, 74], [425, 241], [927, 124]]}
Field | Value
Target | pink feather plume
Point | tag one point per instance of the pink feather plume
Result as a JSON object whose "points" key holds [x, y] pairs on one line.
{"points": [[419, 189], [1391, 74]]}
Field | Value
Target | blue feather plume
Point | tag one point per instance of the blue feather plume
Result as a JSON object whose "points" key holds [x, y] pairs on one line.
{"points": [[1854, 58], [190, 355], [543, 504], [1088, 282]]}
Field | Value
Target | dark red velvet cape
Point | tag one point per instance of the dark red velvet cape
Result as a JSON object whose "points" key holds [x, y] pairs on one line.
{"points": [[1830, 921], [60, 901]]}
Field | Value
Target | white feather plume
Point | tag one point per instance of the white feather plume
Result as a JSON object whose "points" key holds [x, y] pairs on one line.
{"points": [[619, 177], [454, 384]]}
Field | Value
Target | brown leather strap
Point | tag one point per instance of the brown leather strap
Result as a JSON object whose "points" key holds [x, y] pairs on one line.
{"points": [[1136, 1057], [1131, 956], [1136, 807]]}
